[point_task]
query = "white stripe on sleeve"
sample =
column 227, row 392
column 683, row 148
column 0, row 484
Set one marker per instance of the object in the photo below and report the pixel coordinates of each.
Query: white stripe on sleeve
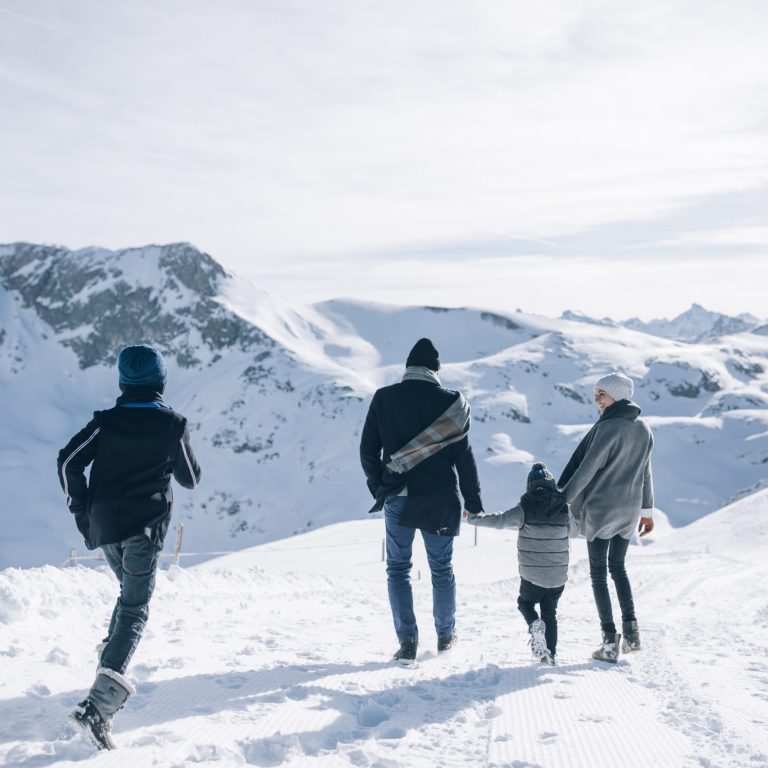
column 69, row 458
column 189, row 463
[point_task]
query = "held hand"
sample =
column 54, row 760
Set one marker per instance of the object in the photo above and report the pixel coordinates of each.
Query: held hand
column 645, row 526
column 466, row 513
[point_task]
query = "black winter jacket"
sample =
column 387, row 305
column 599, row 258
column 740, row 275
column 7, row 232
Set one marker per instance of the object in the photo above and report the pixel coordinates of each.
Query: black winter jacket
column 397, row 414
column 135, row 447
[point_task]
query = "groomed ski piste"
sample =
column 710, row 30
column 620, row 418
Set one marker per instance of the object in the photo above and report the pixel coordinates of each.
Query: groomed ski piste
column 279, row 656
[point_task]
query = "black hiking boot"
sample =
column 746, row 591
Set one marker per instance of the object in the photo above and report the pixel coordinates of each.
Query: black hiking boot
column 94, row 727
column 406, row 653
column 446, row 642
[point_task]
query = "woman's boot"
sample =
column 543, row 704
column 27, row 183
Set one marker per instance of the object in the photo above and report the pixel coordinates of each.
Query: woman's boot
column 609, row 648
column 631, row 640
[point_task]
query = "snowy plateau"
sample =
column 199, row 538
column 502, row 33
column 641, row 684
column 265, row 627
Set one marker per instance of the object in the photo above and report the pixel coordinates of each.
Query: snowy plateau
column 278, row 653
column 278, row 656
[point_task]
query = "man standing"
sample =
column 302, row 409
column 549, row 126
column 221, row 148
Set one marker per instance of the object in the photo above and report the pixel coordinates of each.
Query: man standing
column 414, row 443
column 125, row 508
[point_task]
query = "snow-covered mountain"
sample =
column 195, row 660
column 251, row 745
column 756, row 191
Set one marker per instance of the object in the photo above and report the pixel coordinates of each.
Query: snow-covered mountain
column 276, row 394
column 695, row 324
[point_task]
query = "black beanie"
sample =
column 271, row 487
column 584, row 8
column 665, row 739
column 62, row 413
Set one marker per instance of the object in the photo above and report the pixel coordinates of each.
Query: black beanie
column 424, row 354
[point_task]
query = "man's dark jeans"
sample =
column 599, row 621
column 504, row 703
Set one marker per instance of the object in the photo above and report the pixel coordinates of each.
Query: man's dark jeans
column 530, row 594
column 134, row 562
column 608, row 555
column 399, row 551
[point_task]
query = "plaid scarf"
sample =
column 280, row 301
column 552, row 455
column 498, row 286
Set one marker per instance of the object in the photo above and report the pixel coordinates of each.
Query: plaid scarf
column 448, row 428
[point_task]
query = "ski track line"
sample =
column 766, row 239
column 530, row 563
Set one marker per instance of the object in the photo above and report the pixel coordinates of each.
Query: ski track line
column 685, row 710
column 559, row 717
column 721, row 713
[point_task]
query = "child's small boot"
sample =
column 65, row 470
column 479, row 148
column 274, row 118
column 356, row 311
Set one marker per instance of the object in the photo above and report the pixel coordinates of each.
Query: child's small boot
column 609, row 648
column 631, row 641
column 538, row 640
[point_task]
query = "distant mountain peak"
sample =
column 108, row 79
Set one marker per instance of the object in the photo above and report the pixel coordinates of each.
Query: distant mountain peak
column 695, row 324
column 580, row 317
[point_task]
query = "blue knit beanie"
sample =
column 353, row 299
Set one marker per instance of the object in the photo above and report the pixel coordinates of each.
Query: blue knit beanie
column 539, row 475
column 141, row 366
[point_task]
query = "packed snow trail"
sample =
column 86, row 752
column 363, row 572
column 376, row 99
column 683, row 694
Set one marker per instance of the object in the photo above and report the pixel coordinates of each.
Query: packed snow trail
column 279, row 656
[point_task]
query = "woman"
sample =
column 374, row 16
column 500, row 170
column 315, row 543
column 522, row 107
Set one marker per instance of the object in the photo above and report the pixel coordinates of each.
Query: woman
column 608, row 484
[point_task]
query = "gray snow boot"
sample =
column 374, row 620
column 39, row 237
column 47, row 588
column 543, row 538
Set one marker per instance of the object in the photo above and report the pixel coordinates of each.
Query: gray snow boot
column 538, row 640
column 94, row 714
column 609, row 648
column 631, row 641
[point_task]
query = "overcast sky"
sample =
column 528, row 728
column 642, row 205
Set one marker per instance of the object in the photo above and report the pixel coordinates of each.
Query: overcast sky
column 609, row 157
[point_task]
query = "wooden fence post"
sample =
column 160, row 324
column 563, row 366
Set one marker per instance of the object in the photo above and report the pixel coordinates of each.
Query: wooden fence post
column 177, row 550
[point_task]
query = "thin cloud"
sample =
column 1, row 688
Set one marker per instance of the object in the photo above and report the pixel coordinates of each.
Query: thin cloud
column 406, row 132
column 29, row 20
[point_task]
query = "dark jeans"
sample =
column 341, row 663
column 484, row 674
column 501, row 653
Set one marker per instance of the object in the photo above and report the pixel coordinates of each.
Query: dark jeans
column 607, row 556
column 547, row 597
column 134, row 562
column 399, row 551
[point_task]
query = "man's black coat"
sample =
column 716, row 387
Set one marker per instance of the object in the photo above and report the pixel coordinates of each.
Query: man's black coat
column 397, row 414
column 135, row 448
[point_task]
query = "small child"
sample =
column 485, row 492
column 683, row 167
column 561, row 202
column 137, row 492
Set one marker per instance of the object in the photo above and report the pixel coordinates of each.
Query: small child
column 545, row 524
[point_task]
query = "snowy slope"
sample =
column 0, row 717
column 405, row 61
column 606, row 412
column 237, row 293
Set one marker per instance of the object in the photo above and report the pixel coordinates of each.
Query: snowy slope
column 276, row 394
column 277, row 656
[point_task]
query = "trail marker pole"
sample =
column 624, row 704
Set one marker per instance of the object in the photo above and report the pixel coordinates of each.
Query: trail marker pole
column 179, row 535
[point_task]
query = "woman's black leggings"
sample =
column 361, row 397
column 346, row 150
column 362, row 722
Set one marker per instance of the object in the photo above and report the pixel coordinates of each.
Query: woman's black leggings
column 607, row 556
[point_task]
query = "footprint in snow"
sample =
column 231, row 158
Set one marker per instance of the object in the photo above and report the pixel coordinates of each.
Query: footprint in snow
column 595, row 719
column 143, row 672
column 548, row 737
column 273, row 751
column 372, row 714
column 157, row 738
column 38, row 691
column 58, row 656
